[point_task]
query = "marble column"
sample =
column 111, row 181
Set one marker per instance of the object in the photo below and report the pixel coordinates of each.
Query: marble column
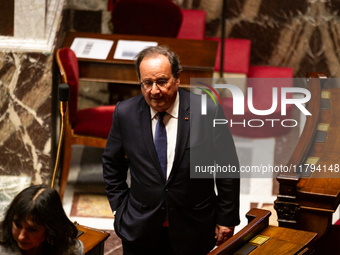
column 25, row 115
column 26, row 75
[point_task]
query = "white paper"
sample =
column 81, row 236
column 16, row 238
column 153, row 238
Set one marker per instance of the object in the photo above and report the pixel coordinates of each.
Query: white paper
column 91, row 48
column 129, row 49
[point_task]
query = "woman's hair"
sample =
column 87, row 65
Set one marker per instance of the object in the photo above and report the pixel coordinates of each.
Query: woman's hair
column 159, row 50
column 41, row 205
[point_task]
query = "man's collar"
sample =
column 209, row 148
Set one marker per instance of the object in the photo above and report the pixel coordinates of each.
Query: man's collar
column 173, row 110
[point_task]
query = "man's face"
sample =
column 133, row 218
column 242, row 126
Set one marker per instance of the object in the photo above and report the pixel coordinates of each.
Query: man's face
column 156, row 68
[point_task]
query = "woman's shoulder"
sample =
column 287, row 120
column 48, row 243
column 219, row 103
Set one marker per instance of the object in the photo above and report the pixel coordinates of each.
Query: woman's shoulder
column 77, row 248
column 8, row 251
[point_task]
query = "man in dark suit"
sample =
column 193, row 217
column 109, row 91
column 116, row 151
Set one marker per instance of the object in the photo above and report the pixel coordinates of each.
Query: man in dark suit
column 165, row 211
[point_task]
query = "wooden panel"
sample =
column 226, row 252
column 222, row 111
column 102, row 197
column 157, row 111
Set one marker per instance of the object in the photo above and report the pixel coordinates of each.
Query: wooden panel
column 92, row 239
column 308, row 200
column 283, row 241
column 7, row 17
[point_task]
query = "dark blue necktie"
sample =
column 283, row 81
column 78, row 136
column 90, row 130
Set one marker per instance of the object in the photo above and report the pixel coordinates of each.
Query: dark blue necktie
column 161, row 142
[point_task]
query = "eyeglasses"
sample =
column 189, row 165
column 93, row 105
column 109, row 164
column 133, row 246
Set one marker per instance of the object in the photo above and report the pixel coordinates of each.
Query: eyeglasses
column 147, row 85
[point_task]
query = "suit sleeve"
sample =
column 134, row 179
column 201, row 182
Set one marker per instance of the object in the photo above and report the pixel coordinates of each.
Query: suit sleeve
column 227, row 183
column 115, row 164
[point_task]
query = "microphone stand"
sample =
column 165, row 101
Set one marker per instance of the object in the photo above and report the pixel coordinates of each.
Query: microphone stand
column 224, row 10
column 221, row 80
column 63, row 91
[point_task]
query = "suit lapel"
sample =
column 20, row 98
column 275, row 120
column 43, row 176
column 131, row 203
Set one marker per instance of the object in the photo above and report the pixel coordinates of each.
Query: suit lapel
column 182, row 130
column 146, row 131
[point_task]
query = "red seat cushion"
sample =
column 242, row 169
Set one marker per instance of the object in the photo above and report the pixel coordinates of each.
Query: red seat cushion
column 236, row 55
column 94, row 121
column 193, row 25
column 262, row 100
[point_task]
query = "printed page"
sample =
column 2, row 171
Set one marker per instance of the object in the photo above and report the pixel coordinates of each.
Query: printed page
column 129, row 49
column 91, row 48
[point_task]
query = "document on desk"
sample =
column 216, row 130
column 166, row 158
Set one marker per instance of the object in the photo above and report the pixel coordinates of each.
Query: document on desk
column 127, row 49
column 91, row 48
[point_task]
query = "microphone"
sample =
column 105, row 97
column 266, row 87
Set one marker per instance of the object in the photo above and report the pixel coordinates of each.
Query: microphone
column 63, row 92
column 63, row 95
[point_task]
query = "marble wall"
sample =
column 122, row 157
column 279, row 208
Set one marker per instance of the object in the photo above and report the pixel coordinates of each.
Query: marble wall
column 25, row 115
column 10, row 186
column 303, row 35
column 26, row 92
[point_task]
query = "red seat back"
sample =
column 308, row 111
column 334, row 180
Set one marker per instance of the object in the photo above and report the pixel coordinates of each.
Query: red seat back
column 146, row 17
column 68, row 66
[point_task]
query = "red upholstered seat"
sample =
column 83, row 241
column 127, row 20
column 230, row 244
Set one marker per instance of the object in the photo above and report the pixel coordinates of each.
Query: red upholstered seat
column 193, row 25
column 110, row 5
column 270, row 72
column 88, row 127
column 85, row 124
column 236, row 55
column 262, row 100
column 146, row 17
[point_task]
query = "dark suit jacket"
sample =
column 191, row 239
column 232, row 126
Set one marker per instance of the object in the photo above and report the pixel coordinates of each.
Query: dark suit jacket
column 192, row 207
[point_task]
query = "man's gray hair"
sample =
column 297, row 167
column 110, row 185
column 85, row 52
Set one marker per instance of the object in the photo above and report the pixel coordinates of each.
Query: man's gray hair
column 159, row 50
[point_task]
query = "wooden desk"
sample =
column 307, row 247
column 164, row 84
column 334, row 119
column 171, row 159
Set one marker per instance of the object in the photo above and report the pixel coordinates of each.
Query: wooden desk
column 283, row 241
column 307, row 200
column 197, row 58
column 93, row 240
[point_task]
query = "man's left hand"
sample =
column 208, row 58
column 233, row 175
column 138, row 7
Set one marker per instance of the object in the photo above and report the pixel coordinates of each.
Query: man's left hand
column 222, row 234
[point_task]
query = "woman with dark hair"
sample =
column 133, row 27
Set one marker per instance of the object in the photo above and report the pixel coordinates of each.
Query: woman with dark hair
column 35, row 223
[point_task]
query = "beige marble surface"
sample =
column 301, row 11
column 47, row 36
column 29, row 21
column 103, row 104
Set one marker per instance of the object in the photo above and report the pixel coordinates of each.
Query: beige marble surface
column 29, row 19
column 35, row 26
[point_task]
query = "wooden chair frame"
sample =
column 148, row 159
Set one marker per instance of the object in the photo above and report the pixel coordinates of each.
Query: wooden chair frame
column 70, row 138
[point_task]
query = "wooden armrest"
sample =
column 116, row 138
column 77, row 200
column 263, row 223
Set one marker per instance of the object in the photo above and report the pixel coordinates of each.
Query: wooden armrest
column 91, row 237
column 258, row 220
